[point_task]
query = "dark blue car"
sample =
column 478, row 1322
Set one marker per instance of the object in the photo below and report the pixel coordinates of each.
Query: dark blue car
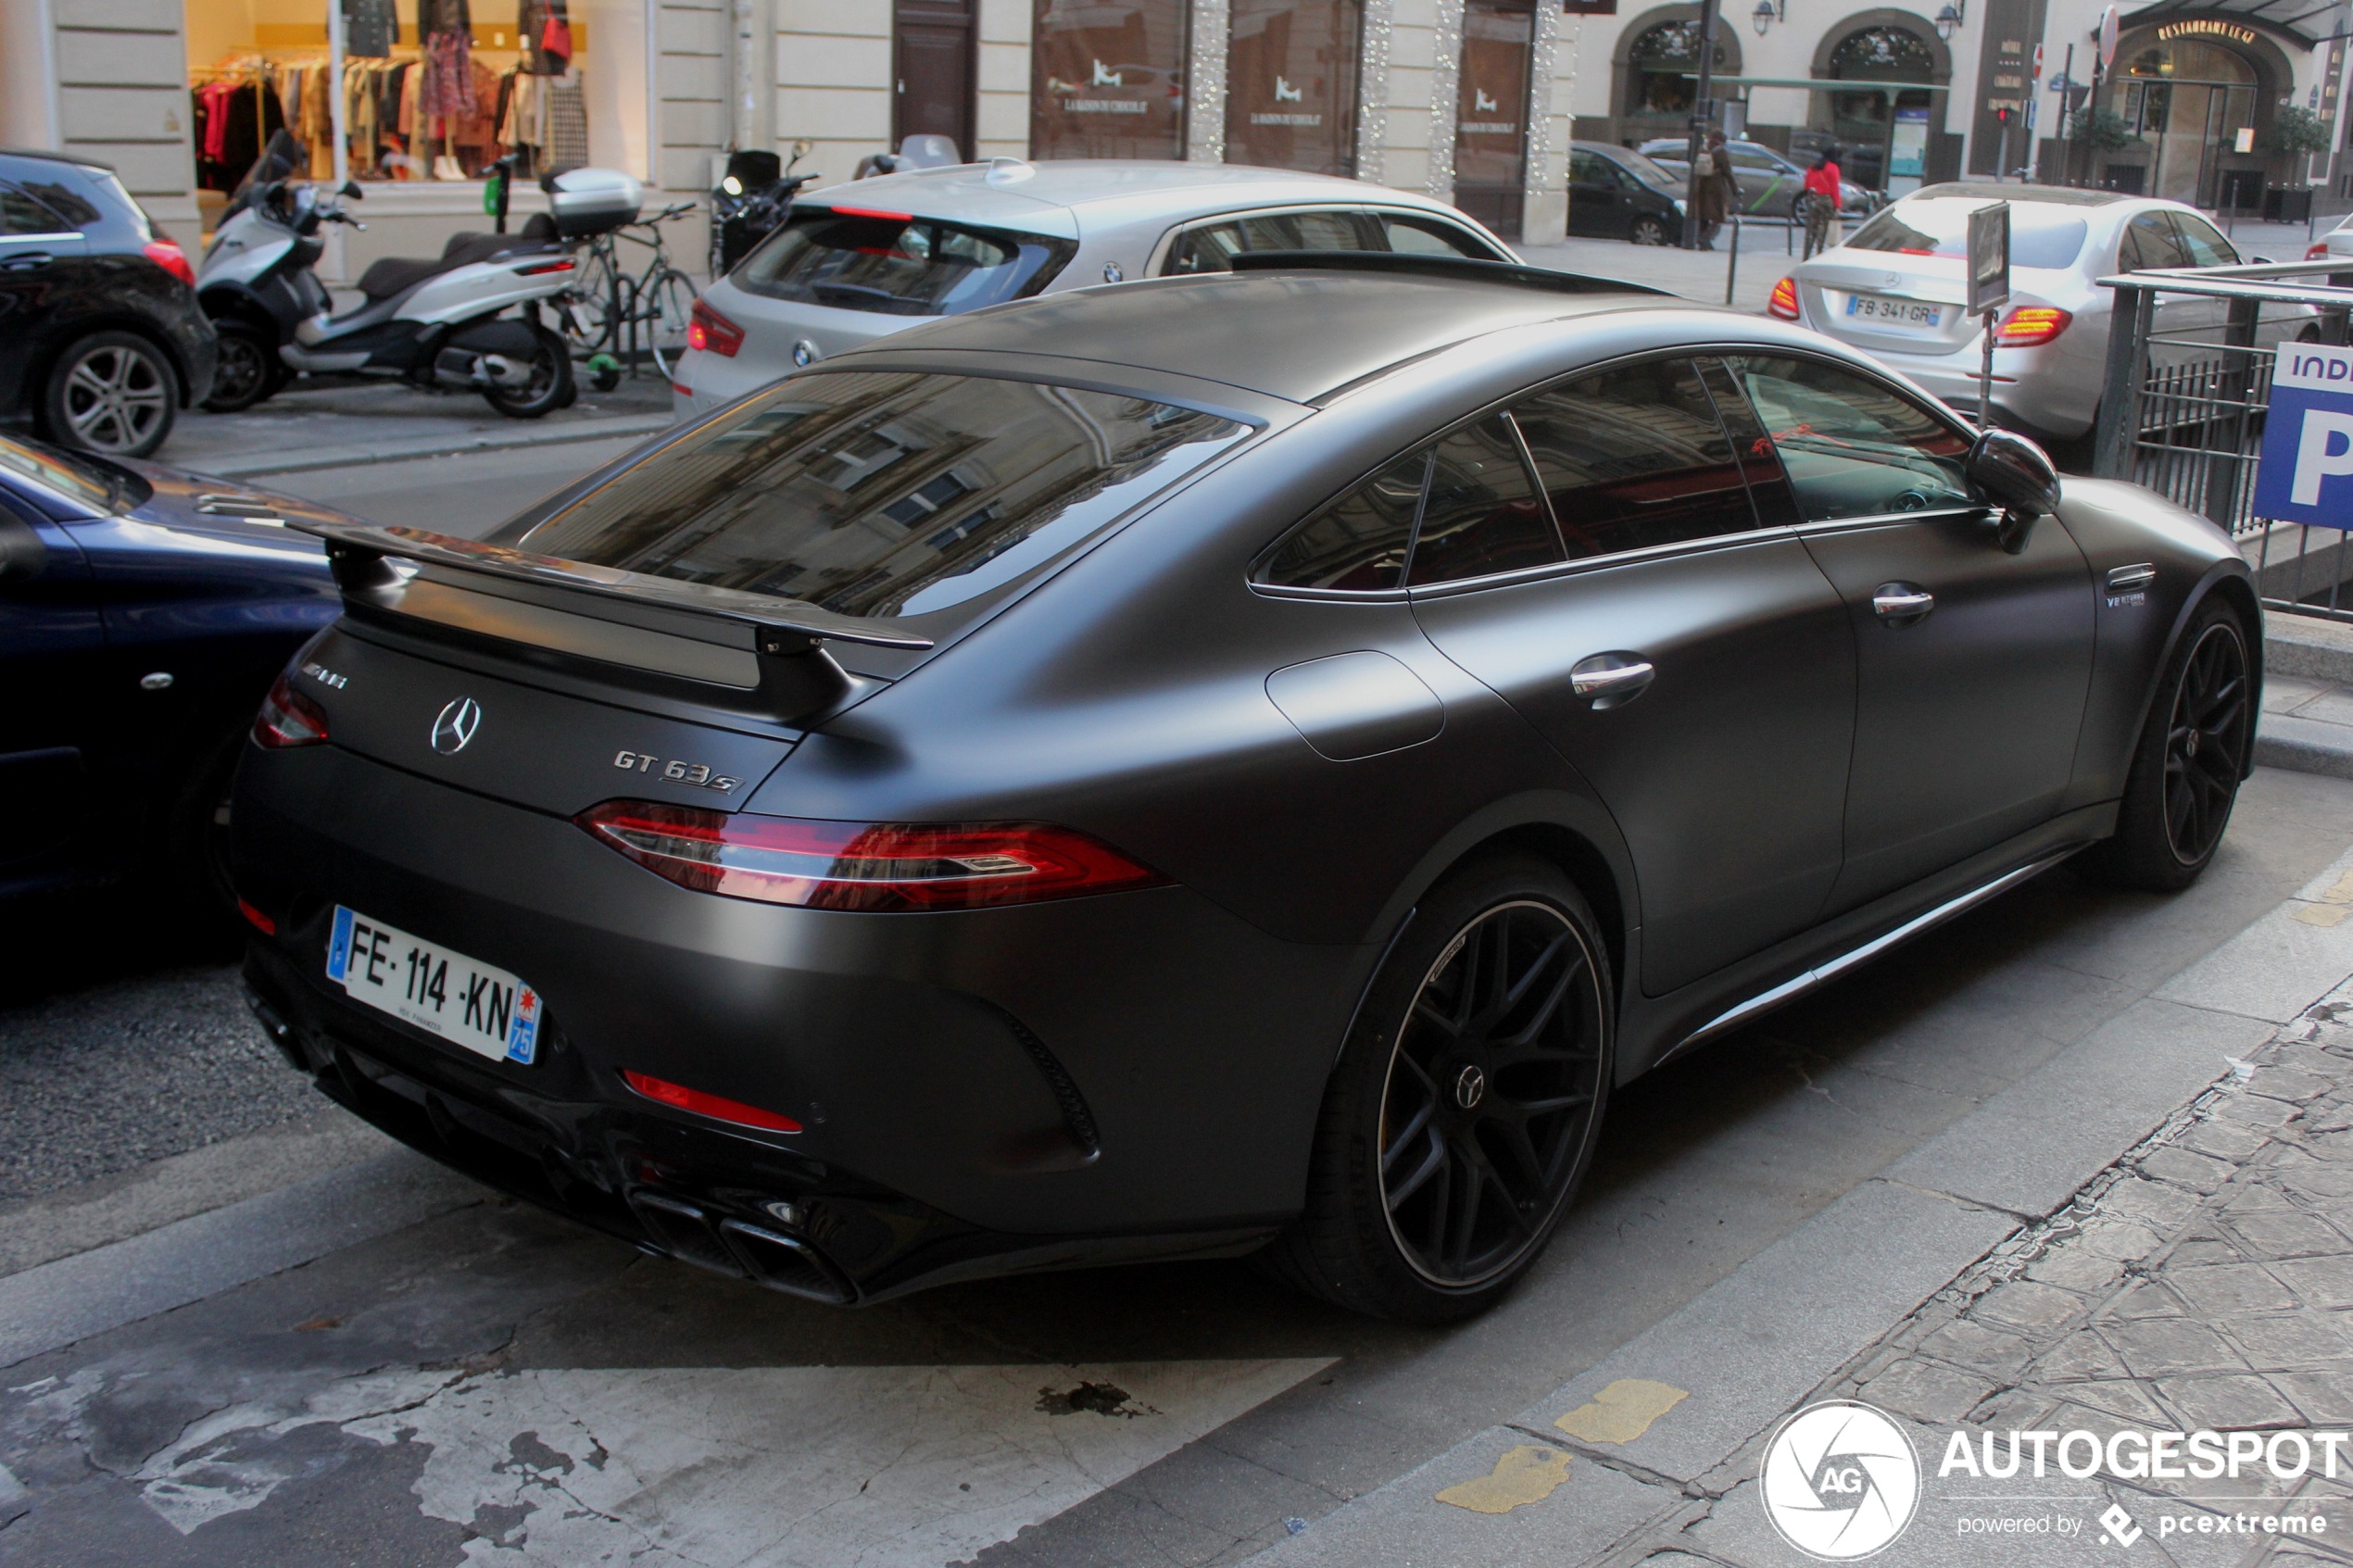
column 143, row 612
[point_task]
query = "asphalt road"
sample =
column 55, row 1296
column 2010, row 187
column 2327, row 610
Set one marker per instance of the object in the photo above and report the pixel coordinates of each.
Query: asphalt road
column 469, row 1381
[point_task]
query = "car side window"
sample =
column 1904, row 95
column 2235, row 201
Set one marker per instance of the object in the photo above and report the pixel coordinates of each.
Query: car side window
column 1768, row 489
column 1484, row 514
column 2149, row 240
column 1853, row 447
column 1585, row 168
column 1213, row 247
column 1635, row 457
column 2205, row 244
column 19, row 214
column 1357, row 543
column 1429, row 236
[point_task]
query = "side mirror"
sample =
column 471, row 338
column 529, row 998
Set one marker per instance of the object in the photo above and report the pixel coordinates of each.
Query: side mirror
column 22, row 555
column 351, row 188
column 2019, row 477
column 802, row 146
column 2261, row 261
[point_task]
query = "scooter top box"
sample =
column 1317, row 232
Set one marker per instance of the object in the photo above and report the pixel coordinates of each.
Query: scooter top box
column 592, row 201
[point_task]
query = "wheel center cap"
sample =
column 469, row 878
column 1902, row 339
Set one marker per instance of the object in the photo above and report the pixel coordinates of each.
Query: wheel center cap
column 1470, row 1086
column 2189, row 743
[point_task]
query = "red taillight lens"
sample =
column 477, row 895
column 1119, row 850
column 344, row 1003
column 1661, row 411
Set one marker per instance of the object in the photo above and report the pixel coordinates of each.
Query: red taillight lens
column 1784, row 301
column 168, row 255
column 256, row 920
column 562, row 264
column 716, row 1107
column 822, row 865
column 872, row 212
column 288, row 718
column 708, row 330
column 2317, row 252
column 2030, row 326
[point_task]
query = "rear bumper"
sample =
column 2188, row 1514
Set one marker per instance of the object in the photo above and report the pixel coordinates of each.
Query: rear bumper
column 1131, row 1076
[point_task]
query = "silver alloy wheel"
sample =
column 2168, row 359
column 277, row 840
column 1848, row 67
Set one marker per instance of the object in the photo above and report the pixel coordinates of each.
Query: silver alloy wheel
column 114, row 396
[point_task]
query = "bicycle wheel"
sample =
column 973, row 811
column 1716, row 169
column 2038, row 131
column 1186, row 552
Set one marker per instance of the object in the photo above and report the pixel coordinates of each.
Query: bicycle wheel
column 597, row 312
column 663, row 311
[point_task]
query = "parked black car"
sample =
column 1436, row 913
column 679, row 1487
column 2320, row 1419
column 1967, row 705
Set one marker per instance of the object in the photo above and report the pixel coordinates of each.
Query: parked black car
column 1617, row 193
column 102, row 341
column 143, row 613
column 1243, row 758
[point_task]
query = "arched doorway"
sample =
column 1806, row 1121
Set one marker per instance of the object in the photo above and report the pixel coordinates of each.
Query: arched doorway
column 1864, row 124
column 2189, row 102
column 1659, row 60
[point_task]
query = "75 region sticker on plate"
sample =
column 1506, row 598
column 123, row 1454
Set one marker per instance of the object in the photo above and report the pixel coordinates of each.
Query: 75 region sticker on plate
column 462, row 1001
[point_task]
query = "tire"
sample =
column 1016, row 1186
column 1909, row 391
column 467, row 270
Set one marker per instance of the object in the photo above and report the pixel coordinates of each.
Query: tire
column 551, row 386
column 666, row 309
column 196, row 835
column 247, row 370
column 1649, row 232
column 1431, row 1084
column 111, row 393
column 600, row 300
column 2188, row 761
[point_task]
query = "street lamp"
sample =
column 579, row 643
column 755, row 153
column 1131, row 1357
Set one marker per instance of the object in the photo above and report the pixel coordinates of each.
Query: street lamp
column 1948, row 21
column 1766, row 15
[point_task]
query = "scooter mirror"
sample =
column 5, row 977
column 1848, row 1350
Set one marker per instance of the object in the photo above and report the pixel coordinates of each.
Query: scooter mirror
column 351, row 188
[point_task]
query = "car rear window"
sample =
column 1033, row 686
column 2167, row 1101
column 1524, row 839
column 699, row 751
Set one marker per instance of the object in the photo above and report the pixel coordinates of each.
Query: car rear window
column 1644, row 169
column 900, row 266
column 2040, row 236
column 882, row 493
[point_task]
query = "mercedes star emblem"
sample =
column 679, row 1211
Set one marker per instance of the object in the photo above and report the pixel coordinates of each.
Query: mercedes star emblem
column 456, row 725
column 1469, row 1086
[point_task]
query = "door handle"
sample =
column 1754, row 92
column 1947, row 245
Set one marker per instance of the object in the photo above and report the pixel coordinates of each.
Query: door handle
column 1902, row 604
column 32, row 263
column 1609, row 680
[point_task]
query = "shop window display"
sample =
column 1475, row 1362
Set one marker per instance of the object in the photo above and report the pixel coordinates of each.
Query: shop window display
column 1291, row 84
column 429, row 89
column 1108, row 80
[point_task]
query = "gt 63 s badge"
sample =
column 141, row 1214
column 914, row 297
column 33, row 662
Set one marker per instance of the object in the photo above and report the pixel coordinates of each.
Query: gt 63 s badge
column 696, row 773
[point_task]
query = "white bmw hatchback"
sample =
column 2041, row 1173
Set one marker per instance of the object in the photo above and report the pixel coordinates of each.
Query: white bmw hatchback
column 1897, row 290
column 856, row 261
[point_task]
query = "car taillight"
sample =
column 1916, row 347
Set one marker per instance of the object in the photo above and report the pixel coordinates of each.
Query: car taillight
column 287, row 719
column 717, row 1107
column 1784, row 301
column 869, row 866
column 168, row 255
column 2030, row 326
column 708, row 330
column 2319, row 251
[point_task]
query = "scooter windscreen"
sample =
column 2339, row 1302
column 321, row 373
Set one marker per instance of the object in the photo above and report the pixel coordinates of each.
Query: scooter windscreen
column 280, row 157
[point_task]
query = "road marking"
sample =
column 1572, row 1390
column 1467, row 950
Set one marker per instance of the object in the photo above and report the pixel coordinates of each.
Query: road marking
column 1622, row 1411
column 1525, row 1474
column 812, row 1467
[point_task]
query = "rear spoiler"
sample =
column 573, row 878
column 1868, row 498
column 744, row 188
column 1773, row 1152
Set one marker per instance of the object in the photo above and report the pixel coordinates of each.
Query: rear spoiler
column 796, row 677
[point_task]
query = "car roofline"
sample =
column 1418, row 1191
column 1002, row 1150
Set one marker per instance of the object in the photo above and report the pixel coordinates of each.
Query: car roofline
column 1461, row 269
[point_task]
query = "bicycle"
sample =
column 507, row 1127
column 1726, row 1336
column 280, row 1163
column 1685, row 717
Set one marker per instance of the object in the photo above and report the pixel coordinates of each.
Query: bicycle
column 649, row 312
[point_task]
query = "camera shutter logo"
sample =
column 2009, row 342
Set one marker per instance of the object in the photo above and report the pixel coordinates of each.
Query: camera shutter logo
column 1841, row 1481
column 456, row 725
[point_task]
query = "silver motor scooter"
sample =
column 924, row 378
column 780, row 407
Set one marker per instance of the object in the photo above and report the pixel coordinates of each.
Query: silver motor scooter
column 442, row 322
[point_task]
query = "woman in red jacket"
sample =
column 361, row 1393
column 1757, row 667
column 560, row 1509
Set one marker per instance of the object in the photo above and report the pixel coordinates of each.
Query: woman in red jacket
column 1822, row 184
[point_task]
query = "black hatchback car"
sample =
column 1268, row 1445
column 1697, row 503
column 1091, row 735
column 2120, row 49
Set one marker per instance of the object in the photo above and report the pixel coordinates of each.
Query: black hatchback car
column 1165, row 770
column 1617, row 193
column 102, row 341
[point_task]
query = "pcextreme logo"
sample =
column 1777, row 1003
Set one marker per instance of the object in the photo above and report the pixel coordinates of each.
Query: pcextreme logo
column 1841, row 1481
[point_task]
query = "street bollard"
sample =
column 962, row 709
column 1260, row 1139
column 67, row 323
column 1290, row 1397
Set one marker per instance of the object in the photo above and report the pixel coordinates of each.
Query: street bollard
column 1732, row 267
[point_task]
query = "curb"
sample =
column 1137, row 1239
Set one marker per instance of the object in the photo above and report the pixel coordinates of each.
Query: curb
column 2308, row 646
column 261, row 463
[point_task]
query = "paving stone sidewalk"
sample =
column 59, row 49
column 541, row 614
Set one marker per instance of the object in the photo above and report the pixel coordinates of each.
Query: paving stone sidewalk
column 2203, row 1281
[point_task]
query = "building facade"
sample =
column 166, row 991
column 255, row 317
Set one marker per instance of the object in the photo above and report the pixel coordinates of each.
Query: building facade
column 1471, row 101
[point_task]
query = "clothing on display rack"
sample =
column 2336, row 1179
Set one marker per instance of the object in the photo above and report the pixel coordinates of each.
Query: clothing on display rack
column 369, row 28
column 546, row 36
column 567, row 146
column 234, row 112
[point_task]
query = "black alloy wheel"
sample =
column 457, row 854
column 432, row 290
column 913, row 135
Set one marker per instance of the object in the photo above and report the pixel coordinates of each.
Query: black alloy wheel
column 550, row 387
column 1650, row 232
column 1466, row 1102
column 2188, row 762
column 1492, row 1092
column 2206, row 743
column 247, row 372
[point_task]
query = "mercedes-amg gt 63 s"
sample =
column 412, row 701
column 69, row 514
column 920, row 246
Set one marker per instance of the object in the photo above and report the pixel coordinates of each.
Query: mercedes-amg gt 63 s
column 1229, row 762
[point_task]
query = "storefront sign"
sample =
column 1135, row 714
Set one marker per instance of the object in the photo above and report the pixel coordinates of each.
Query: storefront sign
column 2307, row 470
column 2205, row 27
column 1291, row 84
column 1107, row 80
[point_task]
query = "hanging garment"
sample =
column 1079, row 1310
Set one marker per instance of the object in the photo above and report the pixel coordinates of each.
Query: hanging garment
column 448, row 90
column 567, row 144
column 369, row 28
column 543, row 21
column 444, row 16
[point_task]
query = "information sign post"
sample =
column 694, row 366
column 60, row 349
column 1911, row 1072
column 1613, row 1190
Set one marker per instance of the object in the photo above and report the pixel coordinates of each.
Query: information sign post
column 2307, row 470
column 1989, row 289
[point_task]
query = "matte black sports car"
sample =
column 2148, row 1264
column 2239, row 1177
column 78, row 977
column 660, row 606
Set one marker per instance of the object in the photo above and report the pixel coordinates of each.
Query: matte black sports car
column 1224, row 760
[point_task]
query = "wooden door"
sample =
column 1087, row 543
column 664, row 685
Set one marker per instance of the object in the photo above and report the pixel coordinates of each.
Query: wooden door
column 932, row 62
column 1491, row 122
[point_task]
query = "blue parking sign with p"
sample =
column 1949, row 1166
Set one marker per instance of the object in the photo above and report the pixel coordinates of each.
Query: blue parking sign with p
column 2307, row 471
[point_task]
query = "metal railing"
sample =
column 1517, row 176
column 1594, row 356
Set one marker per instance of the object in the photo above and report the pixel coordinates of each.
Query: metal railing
column 2191, row 349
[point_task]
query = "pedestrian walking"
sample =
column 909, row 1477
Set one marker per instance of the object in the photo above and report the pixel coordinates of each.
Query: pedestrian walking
column 1822, row 183
column 1717, row 192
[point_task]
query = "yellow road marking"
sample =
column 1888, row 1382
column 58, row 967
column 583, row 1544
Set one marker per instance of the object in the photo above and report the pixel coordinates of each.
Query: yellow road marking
column 1525, row 1474
column 1622, row 1411
column 2323, row 914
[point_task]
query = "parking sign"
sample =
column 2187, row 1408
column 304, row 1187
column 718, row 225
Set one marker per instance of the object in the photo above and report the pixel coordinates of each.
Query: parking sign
column 2307, row 471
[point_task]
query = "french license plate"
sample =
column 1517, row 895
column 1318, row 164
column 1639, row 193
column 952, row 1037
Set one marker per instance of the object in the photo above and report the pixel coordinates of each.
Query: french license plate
column 1895, row 312
column 466, row 1002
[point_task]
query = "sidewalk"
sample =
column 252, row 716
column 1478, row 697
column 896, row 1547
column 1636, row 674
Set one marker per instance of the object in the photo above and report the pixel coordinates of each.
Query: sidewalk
column 2153, row 1232
column 343, row 425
